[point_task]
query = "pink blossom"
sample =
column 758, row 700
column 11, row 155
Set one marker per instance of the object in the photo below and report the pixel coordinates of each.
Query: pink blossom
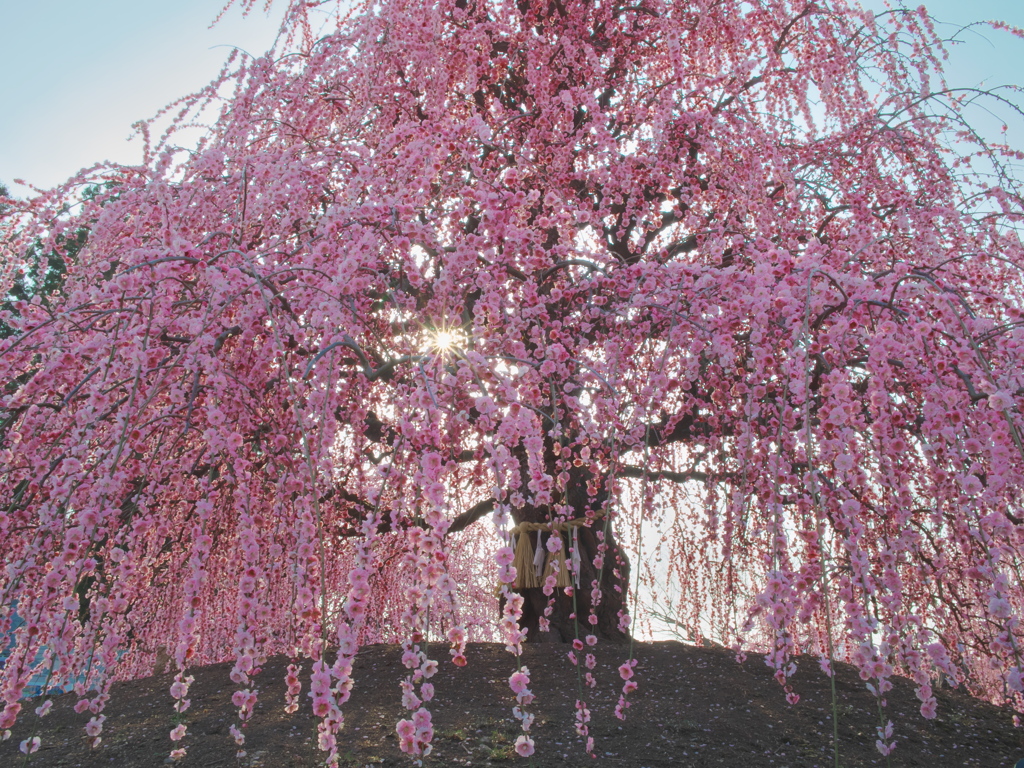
column 1000, row 608
column 431, row 463
column 1015, row 679
column 457, row 635
column 971, row 484
column 884, row 748
column 434, row 493
column 95, row 725
column 519, row 681
column 1000, row 400
column 421, row 719
column 620, row 708
column 844, row 462
column 929, row 709
column 406, row 729
column 524, row 745
column 326, row 741
column 179, row 689
column 410, row 659
column 321, row 705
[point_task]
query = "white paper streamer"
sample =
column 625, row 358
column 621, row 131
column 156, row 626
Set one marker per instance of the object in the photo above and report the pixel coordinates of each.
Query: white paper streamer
column 538, row 557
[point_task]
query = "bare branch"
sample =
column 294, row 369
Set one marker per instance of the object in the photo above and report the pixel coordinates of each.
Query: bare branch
column 471, row 515
column 664, row 474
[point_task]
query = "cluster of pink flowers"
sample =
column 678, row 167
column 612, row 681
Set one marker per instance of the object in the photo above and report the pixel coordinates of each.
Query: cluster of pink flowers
column 519, row 682
column 432, row 586
column 884, row 742
column 457, row 637
column 331, row 686
column 248, row 633
column 326, row 708
column 293, row 688
column 777, row 606
column 416, row 733
column 179, row 692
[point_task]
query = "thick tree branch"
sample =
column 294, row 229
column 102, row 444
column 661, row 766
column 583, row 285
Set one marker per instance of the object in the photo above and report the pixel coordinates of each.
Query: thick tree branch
column 664, row 474
column 471, row 515
column 689, row 427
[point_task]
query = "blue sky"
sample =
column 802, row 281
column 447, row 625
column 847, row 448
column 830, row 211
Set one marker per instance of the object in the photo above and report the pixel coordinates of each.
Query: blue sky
column 80, row 72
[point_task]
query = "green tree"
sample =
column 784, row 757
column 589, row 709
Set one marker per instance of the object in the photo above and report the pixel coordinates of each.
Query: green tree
column 44, row 270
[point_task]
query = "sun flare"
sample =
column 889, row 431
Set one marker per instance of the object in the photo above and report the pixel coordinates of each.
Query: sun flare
column 446, row 340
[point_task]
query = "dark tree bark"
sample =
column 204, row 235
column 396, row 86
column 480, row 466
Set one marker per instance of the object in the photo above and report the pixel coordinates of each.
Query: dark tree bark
column 568, row 619
column 569, row 614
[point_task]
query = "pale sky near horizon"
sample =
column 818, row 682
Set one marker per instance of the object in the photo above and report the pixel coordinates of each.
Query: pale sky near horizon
column 79, row 74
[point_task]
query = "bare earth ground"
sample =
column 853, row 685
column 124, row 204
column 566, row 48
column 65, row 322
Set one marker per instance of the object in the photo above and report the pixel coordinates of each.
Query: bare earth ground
column 695, row 707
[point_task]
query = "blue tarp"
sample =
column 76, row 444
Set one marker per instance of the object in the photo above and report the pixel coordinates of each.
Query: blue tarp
column 38, row 679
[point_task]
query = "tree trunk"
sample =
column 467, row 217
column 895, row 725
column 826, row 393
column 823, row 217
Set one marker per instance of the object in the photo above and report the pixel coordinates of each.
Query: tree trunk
column 569, row 616
column 568, row 619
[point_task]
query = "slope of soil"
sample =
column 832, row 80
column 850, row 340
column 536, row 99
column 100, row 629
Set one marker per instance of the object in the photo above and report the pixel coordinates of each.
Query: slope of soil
column 695, row 707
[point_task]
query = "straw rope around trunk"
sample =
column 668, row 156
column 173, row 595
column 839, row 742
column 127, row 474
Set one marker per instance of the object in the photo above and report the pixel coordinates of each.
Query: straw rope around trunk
column 556, row 565
column 528, row 573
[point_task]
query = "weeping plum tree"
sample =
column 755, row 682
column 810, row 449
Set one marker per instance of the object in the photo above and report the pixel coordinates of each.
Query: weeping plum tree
column 735, row 273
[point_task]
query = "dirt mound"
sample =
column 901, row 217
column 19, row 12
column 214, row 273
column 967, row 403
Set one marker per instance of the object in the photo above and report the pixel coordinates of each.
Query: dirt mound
column 695, row 707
